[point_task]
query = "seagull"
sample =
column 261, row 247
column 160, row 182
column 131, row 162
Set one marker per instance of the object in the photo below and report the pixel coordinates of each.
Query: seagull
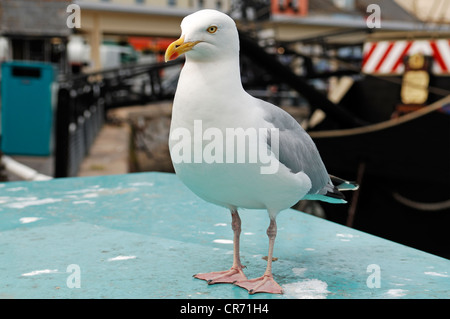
column 234, row 150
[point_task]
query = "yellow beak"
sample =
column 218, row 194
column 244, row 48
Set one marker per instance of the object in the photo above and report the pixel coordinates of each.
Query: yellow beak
column 177, row 48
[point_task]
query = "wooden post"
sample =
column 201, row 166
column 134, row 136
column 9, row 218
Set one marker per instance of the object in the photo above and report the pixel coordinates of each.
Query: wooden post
column 355, row 196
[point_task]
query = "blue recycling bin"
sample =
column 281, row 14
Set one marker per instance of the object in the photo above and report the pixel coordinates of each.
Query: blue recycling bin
column 28, row 100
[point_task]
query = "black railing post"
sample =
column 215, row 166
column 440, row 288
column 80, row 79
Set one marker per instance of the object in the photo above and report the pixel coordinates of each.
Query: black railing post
column 83, row 101
column 62, row 132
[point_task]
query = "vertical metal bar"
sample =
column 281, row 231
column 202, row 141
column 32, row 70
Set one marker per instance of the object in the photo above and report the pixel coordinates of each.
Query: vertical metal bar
column 355, row 197
column 62, row 132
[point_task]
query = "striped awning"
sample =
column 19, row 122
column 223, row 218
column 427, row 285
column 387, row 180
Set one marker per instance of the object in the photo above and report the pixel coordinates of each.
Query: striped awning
column 386, row 57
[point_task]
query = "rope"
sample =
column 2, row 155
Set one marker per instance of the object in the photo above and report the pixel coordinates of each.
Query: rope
column 421, row 206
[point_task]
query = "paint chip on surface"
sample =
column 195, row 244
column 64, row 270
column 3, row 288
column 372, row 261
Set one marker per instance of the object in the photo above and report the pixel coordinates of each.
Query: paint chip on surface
column 220, row 224
column 299, row 271
column 437, row 274
column 206, row 232
column 223, row 241
column 90, row 195
column 83, row 202
column 40, row 272
column 346, row 237
column 23, row 204
column 16, row 189
column 121, row 258
column 26, row 220
column 396, row 293
column 142, row 184
column 307, row 289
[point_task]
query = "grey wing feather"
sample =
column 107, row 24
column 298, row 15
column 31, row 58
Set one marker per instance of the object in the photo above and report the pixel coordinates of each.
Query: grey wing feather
column 297, row 150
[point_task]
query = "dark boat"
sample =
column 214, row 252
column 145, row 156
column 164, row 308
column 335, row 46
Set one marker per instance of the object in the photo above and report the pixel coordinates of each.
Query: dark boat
column 403, row 166
column 398, row 152
column 415, row 147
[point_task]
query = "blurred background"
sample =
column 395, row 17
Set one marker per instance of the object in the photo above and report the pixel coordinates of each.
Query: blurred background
column 84, row 91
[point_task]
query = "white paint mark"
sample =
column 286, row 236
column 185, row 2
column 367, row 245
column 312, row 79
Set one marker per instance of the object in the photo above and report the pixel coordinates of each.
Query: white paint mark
column 346, row 235
column 23, row 204
column 249, row 233
column 401, row 278
column 81, row 191
column 121, row 258
column 310, row 249
column 142, row 184
column 16, row 189
column 206, row 232
column 437, row 274
column 26, row 220
column 39, row 272
column 220, row 224
column 17, row 199
column 222, row 241
column 299, row 271
column 307, row 289
column 396, row 292
column 78, row 202
column 90, row 195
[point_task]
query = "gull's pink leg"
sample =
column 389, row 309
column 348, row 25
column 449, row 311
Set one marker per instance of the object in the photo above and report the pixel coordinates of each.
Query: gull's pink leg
column 235, row 273
column 265, row 283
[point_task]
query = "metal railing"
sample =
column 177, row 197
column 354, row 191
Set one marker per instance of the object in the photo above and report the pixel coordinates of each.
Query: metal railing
column 84, row 99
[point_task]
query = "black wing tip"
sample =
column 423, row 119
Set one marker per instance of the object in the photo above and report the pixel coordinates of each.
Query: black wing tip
column 342, row 184
column 335, row 194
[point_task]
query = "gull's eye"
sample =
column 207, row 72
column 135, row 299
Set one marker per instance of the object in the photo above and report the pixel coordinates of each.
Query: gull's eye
column 212, row 29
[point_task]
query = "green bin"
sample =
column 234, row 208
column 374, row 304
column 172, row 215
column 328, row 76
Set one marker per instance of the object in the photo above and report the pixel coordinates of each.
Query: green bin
column 28, row 97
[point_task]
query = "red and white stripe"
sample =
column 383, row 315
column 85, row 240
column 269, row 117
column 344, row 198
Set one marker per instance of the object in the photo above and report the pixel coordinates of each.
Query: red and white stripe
column 386, row 57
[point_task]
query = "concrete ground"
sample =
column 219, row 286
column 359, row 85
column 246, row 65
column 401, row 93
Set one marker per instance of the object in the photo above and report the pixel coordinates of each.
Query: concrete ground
column 110, row 152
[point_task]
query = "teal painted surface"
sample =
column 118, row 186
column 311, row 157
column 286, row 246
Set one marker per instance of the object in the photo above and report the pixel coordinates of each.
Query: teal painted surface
column 144, row 236
column 27, row 107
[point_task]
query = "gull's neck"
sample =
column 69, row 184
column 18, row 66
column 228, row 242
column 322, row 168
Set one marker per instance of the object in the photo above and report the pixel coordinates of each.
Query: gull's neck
column 221, row 76
column 207, row 89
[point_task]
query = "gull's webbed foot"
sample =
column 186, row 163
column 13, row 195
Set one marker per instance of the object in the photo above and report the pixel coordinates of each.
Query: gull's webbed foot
column 265, row 283
column 223, row 277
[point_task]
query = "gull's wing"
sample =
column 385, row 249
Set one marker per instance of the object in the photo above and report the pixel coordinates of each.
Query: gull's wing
column 297, row 150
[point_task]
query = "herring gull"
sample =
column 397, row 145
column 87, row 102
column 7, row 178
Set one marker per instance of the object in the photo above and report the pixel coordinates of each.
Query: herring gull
column 234, row 150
